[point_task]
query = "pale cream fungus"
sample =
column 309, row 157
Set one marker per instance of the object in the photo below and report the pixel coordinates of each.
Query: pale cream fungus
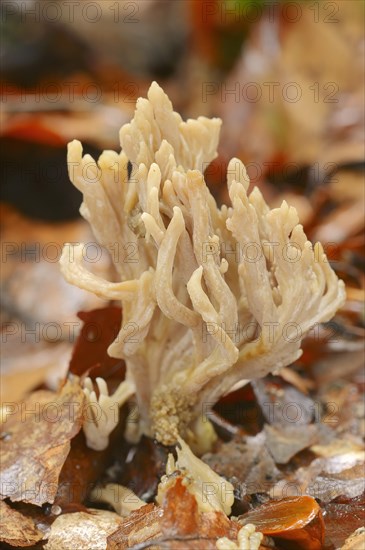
column 211, row 296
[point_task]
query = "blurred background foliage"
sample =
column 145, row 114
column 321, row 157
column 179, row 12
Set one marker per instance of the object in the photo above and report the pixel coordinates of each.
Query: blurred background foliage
column 285, row 77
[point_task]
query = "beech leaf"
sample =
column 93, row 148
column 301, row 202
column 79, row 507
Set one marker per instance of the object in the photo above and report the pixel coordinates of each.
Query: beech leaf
column 17, row 529
column 297, row 521
column 36, row 442
column 87, row 530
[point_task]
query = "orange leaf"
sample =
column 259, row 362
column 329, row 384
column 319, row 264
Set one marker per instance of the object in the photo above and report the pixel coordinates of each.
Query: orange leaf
column 296, row 521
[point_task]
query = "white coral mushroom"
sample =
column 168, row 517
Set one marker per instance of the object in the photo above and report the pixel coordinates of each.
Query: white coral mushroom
column 247, row 539
column 102, row 413
column 210, row 295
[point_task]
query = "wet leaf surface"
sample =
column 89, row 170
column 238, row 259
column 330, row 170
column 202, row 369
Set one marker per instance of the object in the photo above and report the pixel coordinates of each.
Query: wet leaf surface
column 296, row 522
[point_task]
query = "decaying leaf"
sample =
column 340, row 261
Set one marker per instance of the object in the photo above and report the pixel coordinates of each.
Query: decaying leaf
column 176, row 524
column 282, row 404
column 36, row 442
column 326, row 478
column 342, row 519
column 100, row 328
column 285, row 442
column 341, row 475
column 183, row 517
column 17, row 529
column 141, row 526
column 102, row 376
column 87, row 530
column 82, row 468
column 143, row 472
column 247, row 463
column 297, row 521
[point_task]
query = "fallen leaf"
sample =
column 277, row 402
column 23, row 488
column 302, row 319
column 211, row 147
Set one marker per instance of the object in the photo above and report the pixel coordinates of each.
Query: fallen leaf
column 286, row 441
column 36, row 442
column 84, row 467
column 178, row 519
column 17, row 529
column 326, row 478
column 341, row 520
column 341, row 475
column 282, row 404
column 144, row 470
column 141, row 526
column 90, row 355
column 337, row 447
column 87, row 530
column 246, row 463
column 45, row 361
column 178, row 523
column 296, row 522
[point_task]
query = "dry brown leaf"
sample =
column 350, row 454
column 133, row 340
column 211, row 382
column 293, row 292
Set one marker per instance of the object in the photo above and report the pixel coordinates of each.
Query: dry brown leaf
column 140, row 526
column 45, row 361
column 83, row 530
column 17, row 529
column 36, row 442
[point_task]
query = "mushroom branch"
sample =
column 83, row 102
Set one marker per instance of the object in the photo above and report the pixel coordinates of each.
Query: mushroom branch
column 211, row 295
